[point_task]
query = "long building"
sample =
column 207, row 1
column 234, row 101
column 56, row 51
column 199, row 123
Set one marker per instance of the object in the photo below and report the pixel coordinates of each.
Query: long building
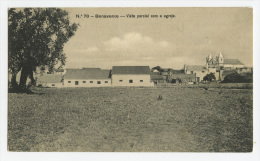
column 96, row 77
column 87, row 77
column 131, row 76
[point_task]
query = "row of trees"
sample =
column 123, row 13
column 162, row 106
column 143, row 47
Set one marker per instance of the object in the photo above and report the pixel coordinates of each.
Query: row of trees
column 36, row 37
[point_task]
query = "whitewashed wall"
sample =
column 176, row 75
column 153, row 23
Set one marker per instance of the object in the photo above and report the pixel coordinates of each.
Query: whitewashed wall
column 56, row 85
column 87, row 84
column 135, row 77
column 233, row 66
column 199, row 74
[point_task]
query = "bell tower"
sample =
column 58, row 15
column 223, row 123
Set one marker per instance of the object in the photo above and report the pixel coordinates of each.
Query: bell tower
column 220, row 59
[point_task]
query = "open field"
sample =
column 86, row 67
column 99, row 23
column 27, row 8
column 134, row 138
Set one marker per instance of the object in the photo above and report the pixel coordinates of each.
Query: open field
column 131, row 119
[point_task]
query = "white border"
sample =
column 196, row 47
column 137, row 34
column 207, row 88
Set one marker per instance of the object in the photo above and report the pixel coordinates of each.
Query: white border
column 13, row 156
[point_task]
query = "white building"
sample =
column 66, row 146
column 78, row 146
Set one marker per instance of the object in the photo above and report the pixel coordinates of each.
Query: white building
column 131, row 76
column 200, row 71
column 87, row 77
column 49, row 80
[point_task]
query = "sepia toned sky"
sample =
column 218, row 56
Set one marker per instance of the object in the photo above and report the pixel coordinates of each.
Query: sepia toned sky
column 187, row 38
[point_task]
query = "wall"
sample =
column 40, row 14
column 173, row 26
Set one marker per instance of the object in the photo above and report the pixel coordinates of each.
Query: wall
column 198, row 73
column 57, row 85
column 201, row 75
column 135, row 77
column 87, row 84
column 233, row 66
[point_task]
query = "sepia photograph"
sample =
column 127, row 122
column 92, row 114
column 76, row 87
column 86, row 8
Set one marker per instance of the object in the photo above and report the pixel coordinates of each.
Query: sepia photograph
column 130, row 79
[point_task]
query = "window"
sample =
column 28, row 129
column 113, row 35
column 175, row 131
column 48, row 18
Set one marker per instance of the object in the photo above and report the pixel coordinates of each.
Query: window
column 53, row 85
column 191, row 72
column 98, row 82
column 120, row 80
column 39, row 85
column 130, row 81
column 106, row 81
column 141, row 81
column 203, row 71
column 90, row 81
column 76, row 82
column 84, row 81
column 69, row 81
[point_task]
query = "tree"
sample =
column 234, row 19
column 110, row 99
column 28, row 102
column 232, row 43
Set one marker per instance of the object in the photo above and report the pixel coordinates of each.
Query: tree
column 209, row 77
column 36, row 37
column 160, row 70
column 237, row 78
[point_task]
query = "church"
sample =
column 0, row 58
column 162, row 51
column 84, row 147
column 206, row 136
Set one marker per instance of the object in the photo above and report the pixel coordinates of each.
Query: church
column 215, row 65
column 221, row 63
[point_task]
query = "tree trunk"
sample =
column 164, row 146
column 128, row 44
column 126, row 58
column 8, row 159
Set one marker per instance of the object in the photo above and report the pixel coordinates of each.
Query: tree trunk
column 33, row 82
column 24, row 75
column 13, row 81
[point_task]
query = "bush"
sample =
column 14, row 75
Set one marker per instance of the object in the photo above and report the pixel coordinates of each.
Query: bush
column 237, row 78
column 209, row 77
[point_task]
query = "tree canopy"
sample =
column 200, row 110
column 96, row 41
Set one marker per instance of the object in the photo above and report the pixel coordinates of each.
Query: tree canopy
column 158, row 68
column 36, row 37
column 238, row 78
column 209, row 77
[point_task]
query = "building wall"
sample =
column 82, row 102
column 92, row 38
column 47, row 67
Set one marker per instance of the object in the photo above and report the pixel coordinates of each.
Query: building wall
column 87, row 83
column 233, row 66
column 155, row 81
column 199, row 74
column 246, row 69
column 123, row 80
column 52, row 85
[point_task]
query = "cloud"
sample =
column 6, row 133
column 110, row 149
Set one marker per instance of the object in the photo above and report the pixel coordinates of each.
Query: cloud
column 133, row 42
column 129, row 49
column 92, row 49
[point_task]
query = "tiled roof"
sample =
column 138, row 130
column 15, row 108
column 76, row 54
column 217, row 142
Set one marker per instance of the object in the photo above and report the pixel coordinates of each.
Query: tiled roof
column 59, row 70
column 87, row 73
column 131, row 70
column 176, row 71
column 49, row 78
column 227, row 72
column 156, row 76
column 195, row 67
column 183, row 76
column 232, row 62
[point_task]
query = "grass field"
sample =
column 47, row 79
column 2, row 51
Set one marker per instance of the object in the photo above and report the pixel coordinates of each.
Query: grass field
column 131, row 119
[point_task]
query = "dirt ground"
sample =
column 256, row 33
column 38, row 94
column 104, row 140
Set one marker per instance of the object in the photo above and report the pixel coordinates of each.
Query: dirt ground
column 131, row 120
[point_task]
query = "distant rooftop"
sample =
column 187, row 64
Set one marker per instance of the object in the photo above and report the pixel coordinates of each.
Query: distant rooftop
column 59, row 70
column 156, row 76
column 183, row 76
column 227, row 72
column 49, row 78
column 195, row 67
column 233, row 62
column 176, row 71
column 131, row 70
column 87, row 73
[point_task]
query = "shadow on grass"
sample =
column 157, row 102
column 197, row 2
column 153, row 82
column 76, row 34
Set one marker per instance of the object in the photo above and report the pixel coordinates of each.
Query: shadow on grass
column 24, row 91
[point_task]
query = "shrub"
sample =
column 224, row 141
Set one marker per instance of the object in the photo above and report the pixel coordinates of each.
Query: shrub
column 237, row 78
column 209, row 77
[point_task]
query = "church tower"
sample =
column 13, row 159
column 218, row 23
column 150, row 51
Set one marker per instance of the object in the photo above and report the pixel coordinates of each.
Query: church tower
column 208, row 59
column 220, row 59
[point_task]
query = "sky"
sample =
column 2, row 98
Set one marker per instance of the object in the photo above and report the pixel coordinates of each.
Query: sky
column 187, row 38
